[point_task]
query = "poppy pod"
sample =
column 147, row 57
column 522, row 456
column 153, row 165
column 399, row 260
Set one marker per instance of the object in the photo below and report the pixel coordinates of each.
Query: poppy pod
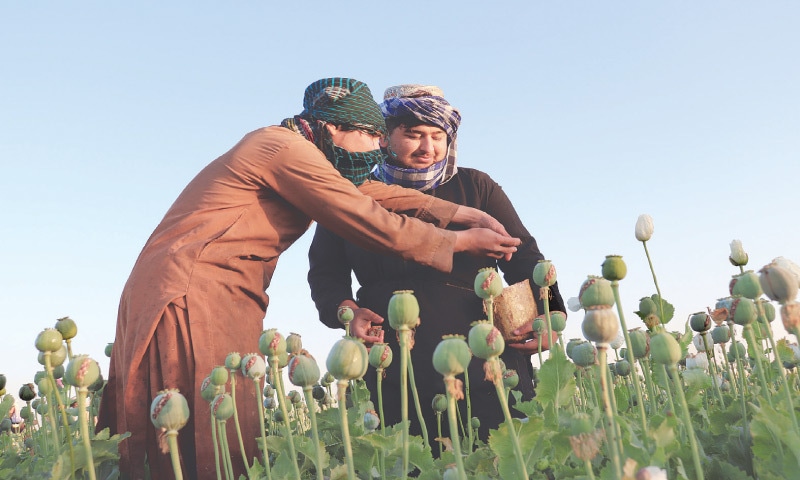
column 253, row 366
column 510, row 378
column 233, row 361
column 664, row 349
column 371, row 421
column 596, row 291
column 743, row 311
column 439, row 403
column 222, row 407
column 640, row 343
column 347, row 359
column 571, row 344
column 600, row 325
column 219, row 375
column 109, row 348
column 488, row 283
column 721, row 334
column 380, row 355
column 558, row 321
column 700, row 322
column 294, row 343
column 169, row 410
column 746, row 285
column 451, row 356
column 49, row 340
column 345, row 315
column 768, row 311
column 622, row 368
column 736, row 349
column 485, row 340
column 779, row 283
column 56, row 358
column 303, row 370
column 271, row 343
column 67, row 327
column 82, row 371
column 403, row 310
column 584, row 354
column 614, row 268
column 544, row 273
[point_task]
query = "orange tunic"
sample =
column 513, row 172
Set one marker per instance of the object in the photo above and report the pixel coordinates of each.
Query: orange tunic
column 197, row 290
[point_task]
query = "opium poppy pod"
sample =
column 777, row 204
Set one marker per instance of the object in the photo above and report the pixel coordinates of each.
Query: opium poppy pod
column 109, row 348
column 622, row 368
column 510, row 378
column 768, row 310
column 743, row 311
column 558, row 320
column 485, row 340
column 571, row 344
column 56, row 358
column 67, row 327
column 665, row 349
column 736, row 349
column 2, row 381
column 380, row 355
column 347, row 359
column 439, row 403
column 700, row 322
column 746, row 285
column 584, row 354
column 403, row 310
column 233, row 361
column 640, row 343
column 303, row 369
column 614, row 268
column 488, row 283
column 544, row 273
column 779, row 283
column 169, row 410
column 600, row 324
column 294, row 343
column 721, row 334
column 596, row 291
column 82, row 371
column 271, row 343
column 219, row 376
column 222, row 406
column 451, row 356
column 49, row 340
column 253, row 366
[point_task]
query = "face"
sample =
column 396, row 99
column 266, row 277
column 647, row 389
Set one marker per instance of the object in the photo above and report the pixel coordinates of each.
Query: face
column 417, row 147
column 355, row 141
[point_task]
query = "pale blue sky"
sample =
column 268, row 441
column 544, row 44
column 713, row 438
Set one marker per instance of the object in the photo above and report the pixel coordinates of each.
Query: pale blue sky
column 587, row 113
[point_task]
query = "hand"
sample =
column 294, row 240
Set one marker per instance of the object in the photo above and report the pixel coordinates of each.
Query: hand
column 531, row 346
column 363, row 320
column 474, row 218
column 485, row 242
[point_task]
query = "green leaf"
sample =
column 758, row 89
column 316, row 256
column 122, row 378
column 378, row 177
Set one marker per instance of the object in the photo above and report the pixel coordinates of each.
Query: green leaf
column 556, row 384
column 669, row 310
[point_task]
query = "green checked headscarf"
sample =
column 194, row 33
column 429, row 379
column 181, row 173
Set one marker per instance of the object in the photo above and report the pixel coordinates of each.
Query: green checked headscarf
column 348, row 103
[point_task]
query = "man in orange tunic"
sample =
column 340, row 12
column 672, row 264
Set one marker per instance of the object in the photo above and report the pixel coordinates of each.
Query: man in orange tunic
column 198, row 289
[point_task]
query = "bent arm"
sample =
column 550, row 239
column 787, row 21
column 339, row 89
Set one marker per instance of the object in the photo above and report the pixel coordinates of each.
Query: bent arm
column 329, row 275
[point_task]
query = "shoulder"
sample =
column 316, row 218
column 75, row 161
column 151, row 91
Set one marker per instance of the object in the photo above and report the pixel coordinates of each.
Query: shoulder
column 475, row 176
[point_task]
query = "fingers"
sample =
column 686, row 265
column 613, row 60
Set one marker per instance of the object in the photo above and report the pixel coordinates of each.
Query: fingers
column 524, row 329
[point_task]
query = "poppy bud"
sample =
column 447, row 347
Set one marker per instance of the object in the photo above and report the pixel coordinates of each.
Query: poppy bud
column 380, row 355
column 67, row 327
column 485, row 340
column 451, row 356
column 347, row 359
column 439, row 403
column 169, row 410
column 596, row 291
column 644, row 227
column 738, row 256
column 303, row 369
column 614, row 268
column 544, row 273
column 665, row 349
column 403, row 310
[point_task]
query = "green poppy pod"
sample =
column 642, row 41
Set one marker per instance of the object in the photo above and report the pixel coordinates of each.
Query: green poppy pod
column 768, row 310
column 544, row 273
column 67, row 327
column 596, row 291
column 109, row 348
column 510, row 378
column 380, row 355
column 485, row 340
column 475, row 422
column 58, row 371
column 584, row 354
column 253, row 366
column 2, row 381
column 581, row 423
column 746, row 284
column 488, row 283
column 614, row 268
column 345, row 314
column 622, row 368
column 169, row 410
column 451, row 356
column 270, row 403
column 49, row 340
column 371, row 421
column 25, row 413
column 539, row 324
column 778, row 283
column 571, row 344
column 303, row 369
column 271, row 343
column 347, row 359
column 721, row 334
column 640, row 343
column 81, row 371
column 45, row 387
column 5, row 425
column 208, row 390
column 403, row 310
column 294, row 343
column 743, row 311
column 56, row 358
column 219, row 375
column 97, row 385
column 558, row 320
column 736, row 349
column 647, row 307
column 664, row 349
column 600, row 325
column 327, row 379
column 233, row 361
column 700, row 322
column 42, row 408
column 222, row 407
column 39, row 375
column 295, row 397
column 269, row 390
column 439, row 403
